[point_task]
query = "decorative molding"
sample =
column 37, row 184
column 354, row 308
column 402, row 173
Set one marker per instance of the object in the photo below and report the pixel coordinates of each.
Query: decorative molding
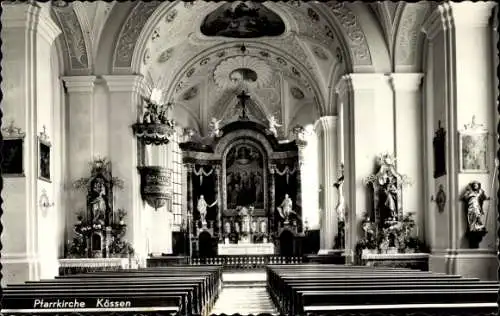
column 347, row 19
column 12, row 132
column 79, row 84
column 125, row 83
column 438, row 21
column 408, row 33
column 44, row 202
column 74, row 38
column 406, row 81
column 130, row 32
column 364, row 81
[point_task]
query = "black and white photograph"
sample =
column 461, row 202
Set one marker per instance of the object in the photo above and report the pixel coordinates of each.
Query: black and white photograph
column 295, row 158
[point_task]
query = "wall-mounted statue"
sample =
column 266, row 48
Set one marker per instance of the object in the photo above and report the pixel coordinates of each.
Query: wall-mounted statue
column 214, row 128
column 475, row 196
column 202, row 208
column 273, row 124
column 286, row 209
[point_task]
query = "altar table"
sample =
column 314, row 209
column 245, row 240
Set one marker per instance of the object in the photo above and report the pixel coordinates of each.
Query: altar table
column 245, row 249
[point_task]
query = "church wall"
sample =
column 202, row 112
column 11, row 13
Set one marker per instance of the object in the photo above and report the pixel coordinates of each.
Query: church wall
column 15, row 250
column 30, row 239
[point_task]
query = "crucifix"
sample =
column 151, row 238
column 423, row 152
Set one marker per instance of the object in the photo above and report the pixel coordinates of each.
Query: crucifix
column 243, row 99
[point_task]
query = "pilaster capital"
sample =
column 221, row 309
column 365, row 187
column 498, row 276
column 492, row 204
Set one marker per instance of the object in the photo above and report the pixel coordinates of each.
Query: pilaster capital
column 364, row 81
column 125, row 83
column 327, row 123
column 471, row 14
column 406, row 81
column 79, row 84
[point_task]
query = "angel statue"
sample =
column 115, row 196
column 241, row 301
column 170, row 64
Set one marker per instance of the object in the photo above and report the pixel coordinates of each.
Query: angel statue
column 272, row 125
column 475, row 196
column 285, row 209
column 202, row 208
column 214, row 128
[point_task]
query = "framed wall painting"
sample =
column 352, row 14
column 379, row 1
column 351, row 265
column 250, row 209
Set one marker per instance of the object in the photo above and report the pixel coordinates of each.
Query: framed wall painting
column 473, row 146
column 439, row 146
column 12, row 151
column 44, row 147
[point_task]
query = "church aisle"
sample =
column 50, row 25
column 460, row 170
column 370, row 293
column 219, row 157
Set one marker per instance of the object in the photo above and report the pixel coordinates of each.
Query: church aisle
column 245, row 301
column 244, row 293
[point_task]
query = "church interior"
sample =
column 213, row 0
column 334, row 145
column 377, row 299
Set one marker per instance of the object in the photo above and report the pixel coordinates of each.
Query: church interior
column 186, row 149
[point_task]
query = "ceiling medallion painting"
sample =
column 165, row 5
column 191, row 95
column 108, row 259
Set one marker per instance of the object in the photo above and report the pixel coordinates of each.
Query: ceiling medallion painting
column 320, row 53
column 243, row 20
column 166, row 55
column 242, row 70
column 190, row 94
column 297, row 93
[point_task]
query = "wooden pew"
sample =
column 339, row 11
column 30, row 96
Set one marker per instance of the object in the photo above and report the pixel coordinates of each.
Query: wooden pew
column 327, row 288
column 186, row 291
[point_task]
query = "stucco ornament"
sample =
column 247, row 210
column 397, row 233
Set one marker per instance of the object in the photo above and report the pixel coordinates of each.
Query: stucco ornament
column 408, row 33
column 131, row 31
column 73, row 36
column 357, row 40
column 234, row 71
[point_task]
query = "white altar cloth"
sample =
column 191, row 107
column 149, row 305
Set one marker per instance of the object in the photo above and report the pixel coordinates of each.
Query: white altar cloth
column 245, row 249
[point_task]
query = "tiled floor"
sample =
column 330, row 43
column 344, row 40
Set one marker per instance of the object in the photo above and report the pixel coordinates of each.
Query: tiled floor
column 244, row 293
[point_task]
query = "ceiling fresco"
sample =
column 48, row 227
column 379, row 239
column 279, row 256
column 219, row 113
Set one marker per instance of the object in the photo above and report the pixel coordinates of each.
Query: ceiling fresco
column 242, row 20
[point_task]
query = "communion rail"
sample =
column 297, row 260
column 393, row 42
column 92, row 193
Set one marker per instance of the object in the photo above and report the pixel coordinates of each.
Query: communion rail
column 245, row 262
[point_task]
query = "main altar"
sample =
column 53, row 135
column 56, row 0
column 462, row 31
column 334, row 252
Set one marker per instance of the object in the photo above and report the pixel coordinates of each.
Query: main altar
column 243, row 193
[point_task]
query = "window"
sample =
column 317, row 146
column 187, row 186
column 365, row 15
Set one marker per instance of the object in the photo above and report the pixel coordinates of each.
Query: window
column 175, row 163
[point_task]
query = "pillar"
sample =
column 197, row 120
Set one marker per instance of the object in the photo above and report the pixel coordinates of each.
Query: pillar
column 408, row 137
column 301, row 144
column 80, row 91
column 328, row 175
column 367, row 120
column 30, row 250
column 124, row 102
column 458, row 33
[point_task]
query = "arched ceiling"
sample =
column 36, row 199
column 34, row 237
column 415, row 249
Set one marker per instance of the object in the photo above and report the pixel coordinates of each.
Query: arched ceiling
column 322, row 40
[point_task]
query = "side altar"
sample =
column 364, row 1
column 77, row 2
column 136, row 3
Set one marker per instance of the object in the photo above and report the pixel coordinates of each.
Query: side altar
column 243, row 188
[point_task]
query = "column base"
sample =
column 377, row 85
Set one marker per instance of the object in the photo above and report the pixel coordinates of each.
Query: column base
column 469, row 263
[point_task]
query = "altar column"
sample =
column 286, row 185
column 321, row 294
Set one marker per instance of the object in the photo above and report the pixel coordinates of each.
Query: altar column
column 328, row 174
column 270, row 227
column 124, row 101
column 218, row 190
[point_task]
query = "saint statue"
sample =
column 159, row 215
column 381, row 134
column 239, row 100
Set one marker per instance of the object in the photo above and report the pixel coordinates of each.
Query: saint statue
column 98, row 202
column 391, row 199
column 272, row 126
column 285, row 209
column 202, row 208
column 341, row 204
column 475, row 196
column 214, row 129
